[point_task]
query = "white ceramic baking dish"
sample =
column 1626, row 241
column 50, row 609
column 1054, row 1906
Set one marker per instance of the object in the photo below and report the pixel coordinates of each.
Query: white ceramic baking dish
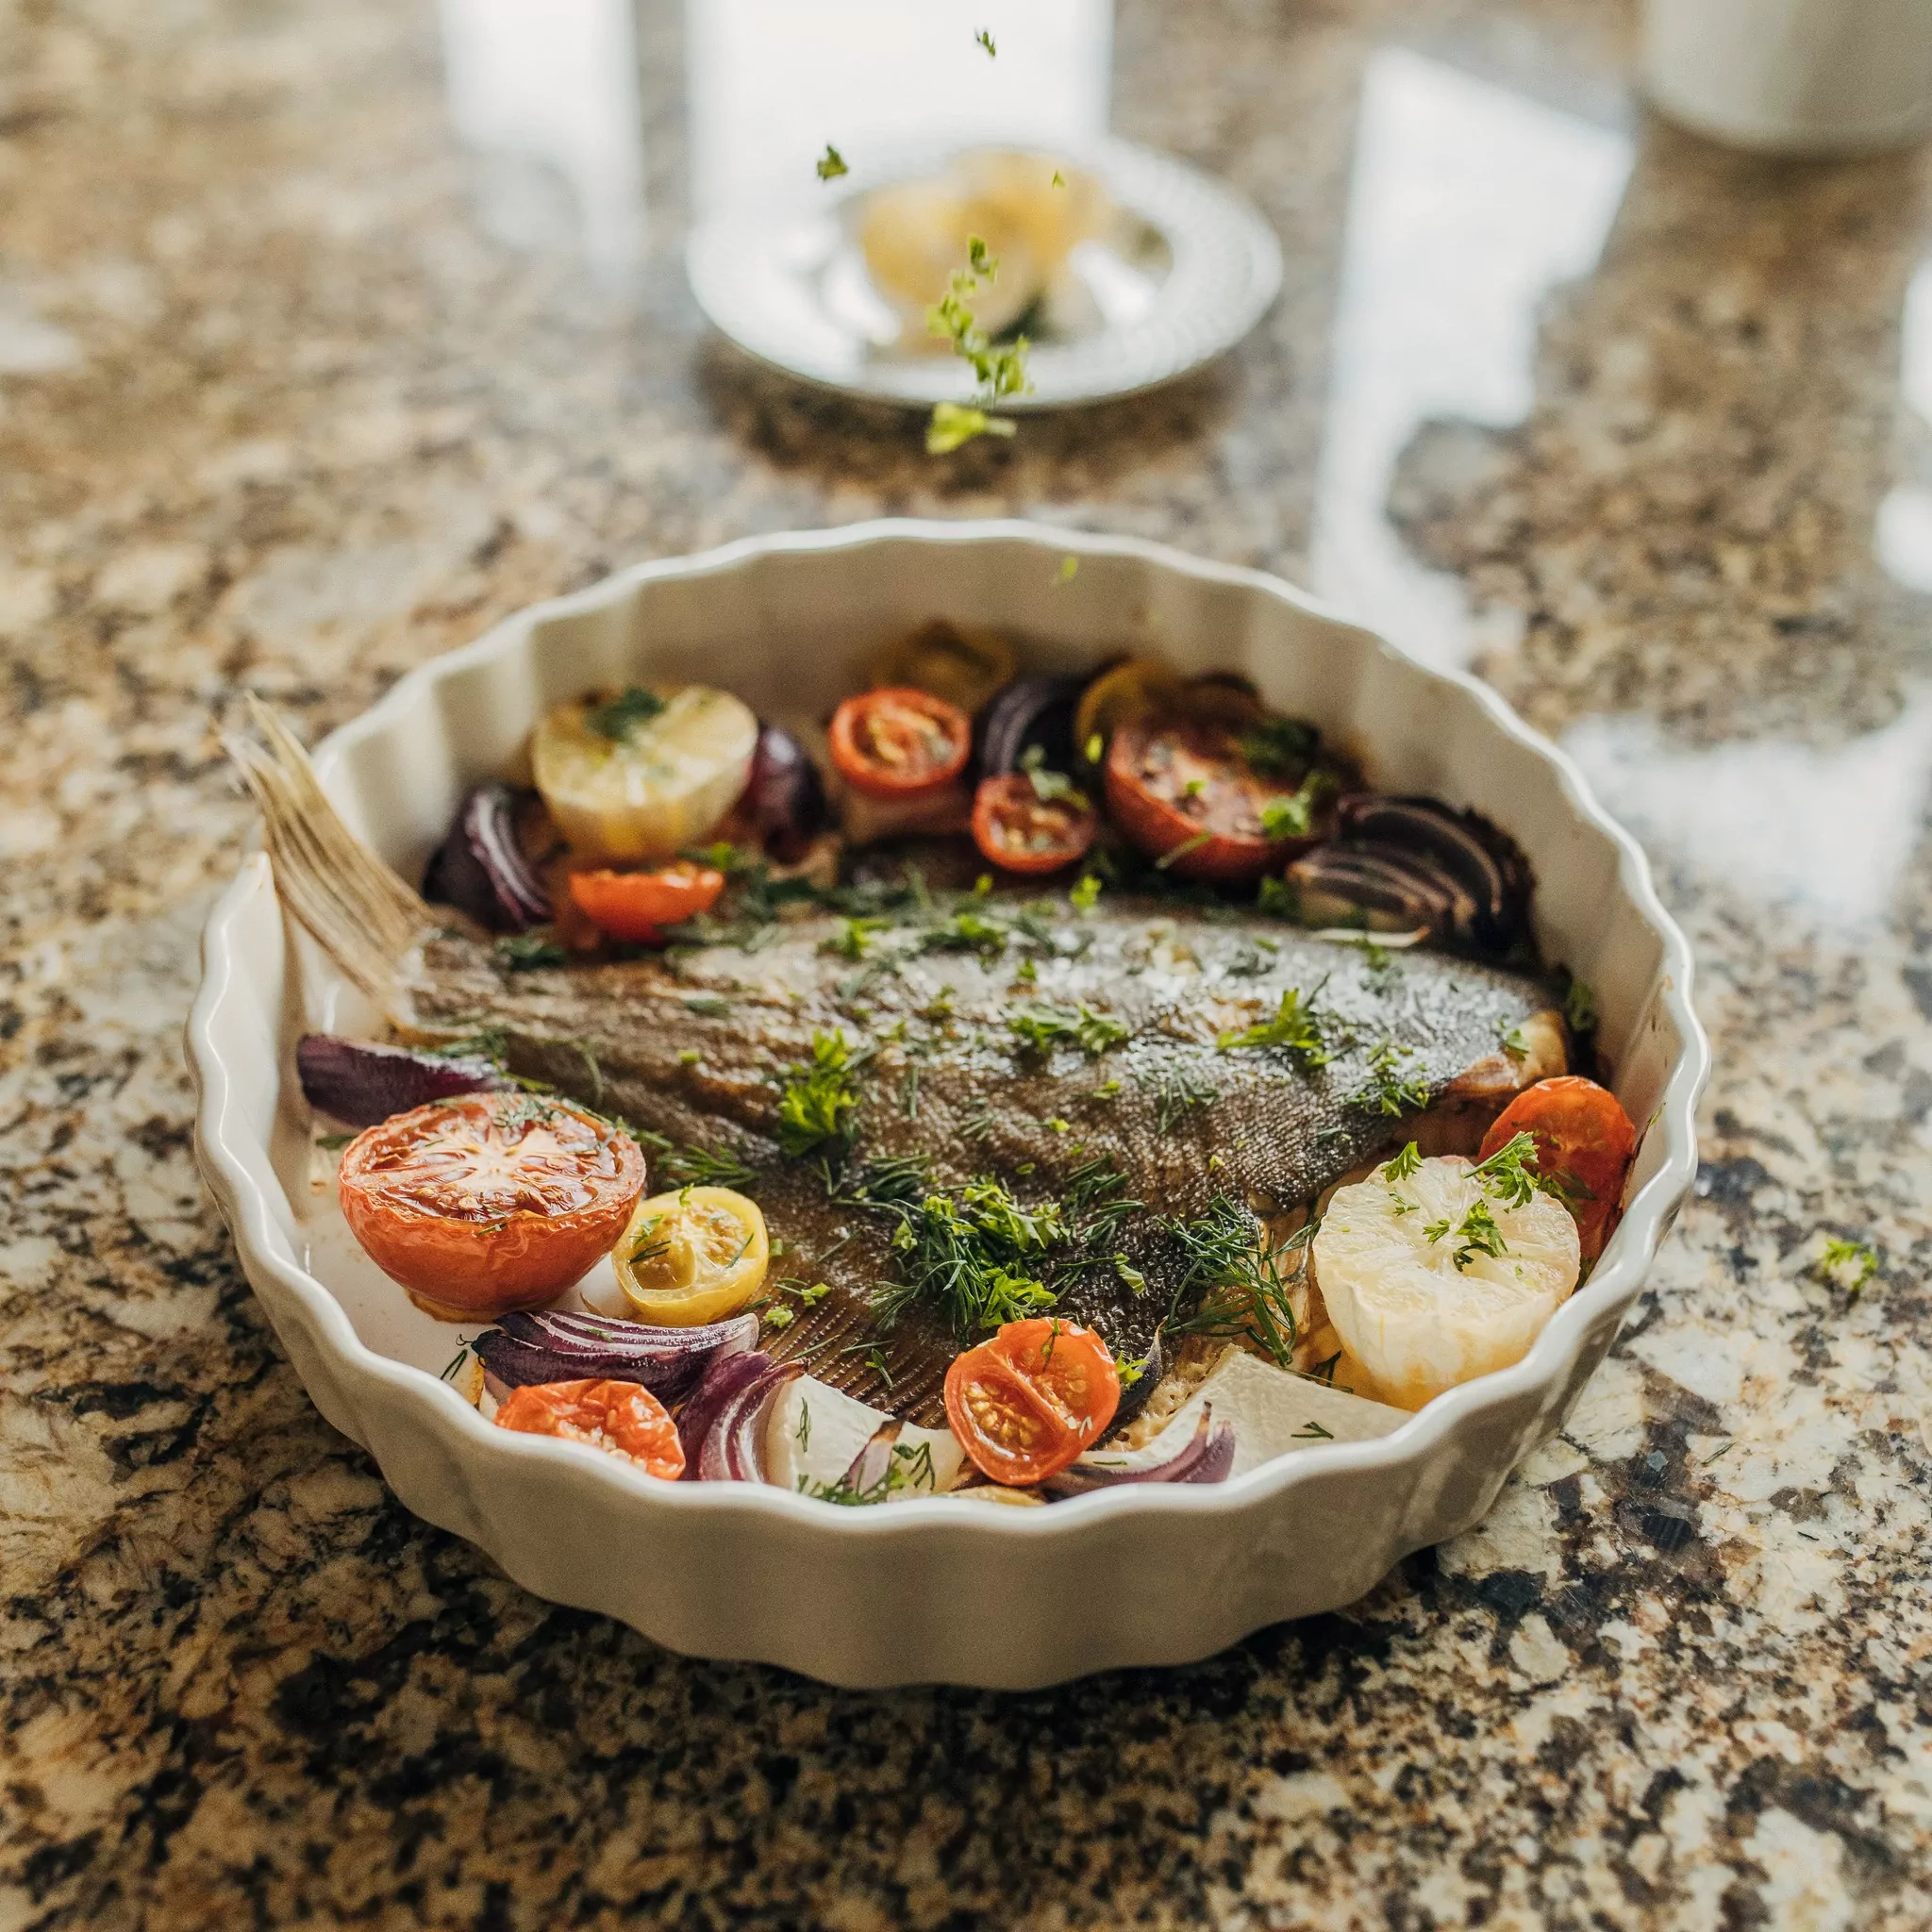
column 930, row 1589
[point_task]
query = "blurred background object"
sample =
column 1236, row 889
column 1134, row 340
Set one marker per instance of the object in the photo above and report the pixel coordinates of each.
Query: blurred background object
column 1794, row 77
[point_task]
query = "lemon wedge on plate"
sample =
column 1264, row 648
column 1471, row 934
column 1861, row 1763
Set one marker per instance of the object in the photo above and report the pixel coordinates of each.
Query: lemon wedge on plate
column 695, row 1256
column 643, row 772
column 1434, row 1276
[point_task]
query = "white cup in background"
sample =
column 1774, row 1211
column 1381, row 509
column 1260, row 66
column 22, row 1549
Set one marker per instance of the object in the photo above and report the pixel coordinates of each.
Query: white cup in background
column 1792, row 76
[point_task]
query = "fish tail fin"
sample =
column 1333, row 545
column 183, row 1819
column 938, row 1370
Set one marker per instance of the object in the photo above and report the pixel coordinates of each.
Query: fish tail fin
column 354, row 906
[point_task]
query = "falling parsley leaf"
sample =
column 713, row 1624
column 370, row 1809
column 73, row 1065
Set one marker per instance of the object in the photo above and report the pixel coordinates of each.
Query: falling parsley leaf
column 983, row 39
column 956, row 424
column 831, row 164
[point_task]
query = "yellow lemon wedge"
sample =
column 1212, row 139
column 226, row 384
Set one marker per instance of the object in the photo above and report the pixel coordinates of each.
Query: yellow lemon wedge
column 645, row 772
column 691, row 1257
column 1436, row 1278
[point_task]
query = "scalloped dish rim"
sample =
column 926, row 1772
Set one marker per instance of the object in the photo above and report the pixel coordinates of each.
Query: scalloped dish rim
column 240, row 1172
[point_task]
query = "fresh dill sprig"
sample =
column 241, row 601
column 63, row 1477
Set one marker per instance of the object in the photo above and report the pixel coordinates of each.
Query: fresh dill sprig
column 621, row 717
column 1297, row 1027
column 1041, row 1029
column 1175, row 1091
column 819, row 1104
column 1388, row 1089
column 1244, row 1285
column 699, row 1167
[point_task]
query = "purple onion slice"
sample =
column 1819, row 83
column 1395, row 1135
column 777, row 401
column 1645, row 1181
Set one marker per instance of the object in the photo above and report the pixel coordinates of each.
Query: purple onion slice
column 352, row 1081
column 1031, row 712
column 785, row 797
column 874, row 1463
column 535, row 1347
column 723, row 1377
column 732, row 1451
column 1206, row 1457
column 481, row 868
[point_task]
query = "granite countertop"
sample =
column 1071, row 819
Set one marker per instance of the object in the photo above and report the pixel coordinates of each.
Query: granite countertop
column 295, row 391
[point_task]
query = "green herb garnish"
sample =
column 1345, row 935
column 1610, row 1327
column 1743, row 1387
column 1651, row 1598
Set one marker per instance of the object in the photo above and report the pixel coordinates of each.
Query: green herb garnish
column 1478, row 1235
column 1404, row 1164
column 854, row 936
column 333, row 1143
column 1292, row 815
column 1514, row 1044
column 1246, row 1286
column 1176, row 1092
column 1277, row 747
column 966, row 931
column 819, row 1104
column 525, row 952
column 1086, row 895
column 1388, row 1089
column 1297, row 1027
column 700, row 1166
column 983, row 39
column 831, row 164
column 1042, row 1027
column 1860, row 1259
column 1579, row 1007
column 999, row 369
column 617, row 720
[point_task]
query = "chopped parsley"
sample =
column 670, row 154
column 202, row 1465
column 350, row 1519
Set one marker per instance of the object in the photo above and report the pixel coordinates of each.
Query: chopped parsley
column 524, row 951
column 1514, row 1044
column 1404, row 1164
column 1510, row 1172
column 1043, row 1028
column 1389, row 1089
column 966, row 931
column 1292, row 815
column 984, row 39
column 955, row 425
column 831, row 164
column 1848, row 1264
column 1070, row 567
column 999, row 369
column 909, row 1468
column 631, row 708
column 333, row 1143
column 1050, row 785
column 854, row 936
column 1579, row 1007
column 1478, row 1235
column 707, row 1006
column 780, row 1316
column 1297, row 1027
column 819, row 1105
column 1086, row 895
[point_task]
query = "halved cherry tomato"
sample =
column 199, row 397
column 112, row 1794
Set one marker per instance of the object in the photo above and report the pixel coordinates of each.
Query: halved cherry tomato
column 1027, row 1403
column 489, row 1203
column 621, row 1417
column 1584, row 1140
column 890, row 743
column 1020, row 832
column 1185, row 793
column 636, row 906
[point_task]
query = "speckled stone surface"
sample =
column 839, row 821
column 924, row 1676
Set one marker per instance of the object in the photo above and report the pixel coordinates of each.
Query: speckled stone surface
column 281, row 406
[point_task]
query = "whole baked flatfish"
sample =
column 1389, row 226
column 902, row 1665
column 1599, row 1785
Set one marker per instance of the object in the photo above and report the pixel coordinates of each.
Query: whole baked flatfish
column 1104, row 1073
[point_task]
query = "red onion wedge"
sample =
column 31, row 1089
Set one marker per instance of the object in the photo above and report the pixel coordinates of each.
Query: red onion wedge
column 725, row 1376
column 550, row 1347
column 733, row 1446
column 481, row 867
column 784, row 797
column 1206, row 1457
column 352, row 1081
column 1030, row 712
column 873, row 1465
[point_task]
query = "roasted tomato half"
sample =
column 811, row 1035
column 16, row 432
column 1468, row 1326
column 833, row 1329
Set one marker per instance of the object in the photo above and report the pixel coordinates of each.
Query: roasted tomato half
column 637, row 905
column 619, row 1416
column 1018, row 829
column 1027, row 1403
column 894, row 743
column 489, row 1203
column 1191, row 795
column 1585, row 1143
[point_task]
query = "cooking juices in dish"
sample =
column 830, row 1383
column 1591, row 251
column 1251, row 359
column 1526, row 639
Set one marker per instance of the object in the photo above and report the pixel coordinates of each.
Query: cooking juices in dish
column 1005, row 1087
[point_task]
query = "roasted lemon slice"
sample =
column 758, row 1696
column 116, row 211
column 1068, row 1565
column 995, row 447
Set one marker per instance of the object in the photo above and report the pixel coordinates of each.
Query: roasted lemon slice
column 1432, row 1274
column 692, row 1256
column 643, row 772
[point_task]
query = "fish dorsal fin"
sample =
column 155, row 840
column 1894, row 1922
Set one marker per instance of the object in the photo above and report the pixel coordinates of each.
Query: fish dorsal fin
column 354, row 906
